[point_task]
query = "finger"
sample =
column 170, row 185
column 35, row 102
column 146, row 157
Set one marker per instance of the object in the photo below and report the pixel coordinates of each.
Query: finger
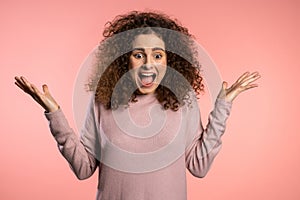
column 242, row 77
column 250, row 86
column 26, row 84
column 255, row 73
column 237, row 83
column 234, row 86
column 38, row 96
column 20, row 86
column 18, row 80
column 24, row 80
column 243, row 88
column 250, row 80
column 250, row 76
column 36, row 90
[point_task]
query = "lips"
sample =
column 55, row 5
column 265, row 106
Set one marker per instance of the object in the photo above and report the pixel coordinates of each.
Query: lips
column 147, row 78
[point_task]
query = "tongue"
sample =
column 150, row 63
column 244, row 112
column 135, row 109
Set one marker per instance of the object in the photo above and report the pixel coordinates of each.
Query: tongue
column 146, row 80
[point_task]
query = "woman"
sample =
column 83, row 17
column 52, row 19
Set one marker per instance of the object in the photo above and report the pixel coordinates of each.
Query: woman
column 146, row 74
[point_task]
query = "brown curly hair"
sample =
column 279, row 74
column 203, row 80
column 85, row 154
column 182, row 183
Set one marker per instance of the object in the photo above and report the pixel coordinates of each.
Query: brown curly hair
column 113, row 61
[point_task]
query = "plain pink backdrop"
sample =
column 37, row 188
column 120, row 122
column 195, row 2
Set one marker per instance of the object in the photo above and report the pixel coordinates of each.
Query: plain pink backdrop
column 48, row 41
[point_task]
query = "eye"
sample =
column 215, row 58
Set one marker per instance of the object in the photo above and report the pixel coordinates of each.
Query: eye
column 158, row 56
column 138, row 55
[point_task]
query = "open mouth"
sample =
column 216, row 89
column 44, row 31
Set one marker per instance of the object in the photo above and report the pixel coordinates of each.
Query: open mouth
column 147, row 78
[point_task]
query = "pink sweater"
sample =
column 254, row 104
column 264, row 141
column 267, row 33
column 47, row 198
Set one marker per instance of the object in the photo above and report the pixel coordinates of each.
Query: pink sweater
column 143, row 172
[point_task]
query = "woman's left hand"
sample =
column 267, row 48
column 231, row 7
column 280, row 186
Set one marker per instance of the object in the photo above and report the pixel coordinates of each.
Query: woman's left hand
column 244, row 83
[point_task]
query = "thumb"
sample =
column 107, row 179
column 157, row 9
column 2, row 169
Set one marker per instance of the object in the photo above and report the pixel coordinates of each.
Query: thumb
column 45, row 89
column 224, row 85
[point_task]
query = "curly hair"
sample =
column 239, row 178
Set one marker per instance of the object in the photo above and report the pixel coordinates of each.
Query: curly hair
column 113, row 61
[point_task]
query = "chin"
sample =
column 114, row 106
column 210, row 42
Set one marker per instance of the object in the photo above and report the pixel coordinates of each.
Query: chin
column 147, row 90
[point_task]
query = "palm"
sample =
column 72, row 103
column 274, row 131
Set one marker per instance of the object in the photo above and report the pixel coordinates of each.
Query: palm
column 44, row 99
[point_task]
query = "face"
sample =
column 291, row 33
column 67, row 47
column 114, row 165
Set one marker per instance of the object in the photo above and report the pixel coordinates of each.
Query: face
column 148, row 62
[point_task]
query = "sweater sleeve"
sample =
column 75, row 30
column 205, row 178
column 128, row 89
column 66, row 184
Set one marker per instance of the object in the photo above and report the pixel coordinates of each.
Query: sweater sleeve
column 80, row 160
column 207, row 142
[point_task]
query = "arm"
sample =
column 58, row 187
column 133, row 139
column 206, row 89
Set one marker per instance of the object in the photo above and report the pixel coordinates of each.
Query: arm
column 207, row 143
column 81, row 161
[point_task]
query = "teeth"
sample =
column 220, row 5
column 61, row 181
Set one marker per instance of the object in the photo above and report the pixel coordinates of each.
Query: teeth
column 147, row 74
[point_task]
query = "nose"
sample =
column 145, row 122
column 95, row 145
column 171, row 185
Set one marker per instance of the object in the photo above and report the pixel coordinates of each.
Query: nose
column 148, row 64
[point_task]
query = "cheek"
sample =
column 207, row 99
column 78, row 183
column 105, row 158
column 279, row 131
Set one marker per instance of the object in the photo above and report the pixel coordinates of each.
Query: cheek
column 134, row 64
column 163, row 67
column 162, row 71
column 162, row 62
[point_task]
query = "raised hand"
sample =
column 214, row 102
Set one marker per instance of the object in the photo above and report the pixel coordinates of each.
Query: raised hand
column 244, row 83
column 44, row 99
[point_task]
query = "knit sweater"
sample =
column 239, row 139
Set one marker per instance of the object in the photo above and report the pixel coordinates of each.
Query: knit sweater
column 142, row 151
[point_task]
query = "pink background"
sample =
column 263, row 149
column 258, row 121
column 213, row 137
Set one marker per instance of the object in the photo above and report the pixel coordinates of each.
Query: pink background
column 47, row 42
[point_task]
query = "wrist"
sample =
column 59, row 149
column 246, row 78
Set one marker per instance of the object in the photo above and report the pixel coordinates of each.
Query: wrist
column 52, row 109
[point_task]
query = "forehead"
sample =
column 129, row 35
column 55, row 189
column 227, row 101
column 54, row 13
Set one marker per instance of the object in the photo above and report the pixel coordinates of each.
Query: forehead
column 148, row 41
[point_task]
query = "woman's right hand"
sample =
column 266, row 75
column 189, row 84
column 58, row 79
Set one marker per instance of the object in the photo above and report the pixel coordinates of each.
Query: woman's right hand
column 44, row 99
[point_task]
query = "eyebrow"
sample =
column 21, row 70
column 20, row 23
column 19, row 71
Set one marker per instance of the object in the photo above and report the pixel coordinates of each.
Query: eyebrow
column 143, row 49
